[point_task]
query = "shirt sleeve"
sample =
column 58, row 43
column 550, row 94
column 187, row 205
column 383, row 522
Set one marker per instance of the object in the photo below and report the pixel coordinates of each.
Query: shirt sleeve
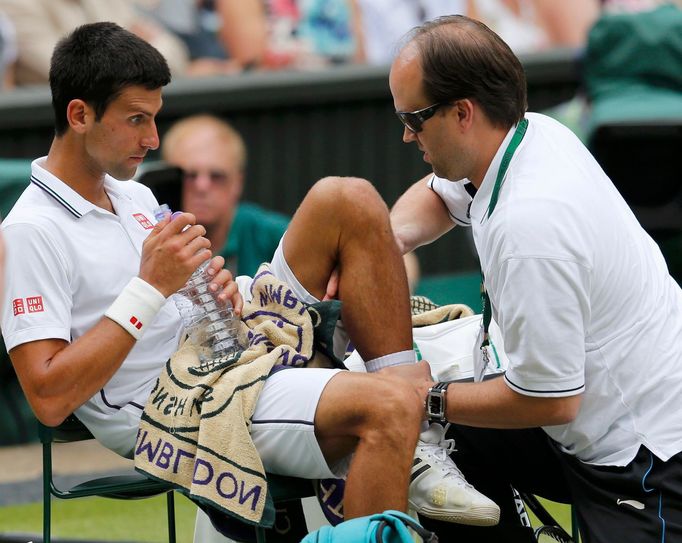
column 38, row 300
column 541, row 306
column 455, row 197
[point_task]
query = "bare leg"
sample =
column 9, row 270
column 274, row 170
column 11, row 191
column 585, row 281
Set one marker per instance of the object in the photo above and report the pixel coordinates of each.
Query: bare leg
column 378, row 418
column 343, row 224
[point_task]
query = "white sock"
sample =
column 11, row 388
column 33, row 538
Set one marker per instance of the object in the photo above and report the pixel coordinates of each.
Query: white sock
column 394, row 359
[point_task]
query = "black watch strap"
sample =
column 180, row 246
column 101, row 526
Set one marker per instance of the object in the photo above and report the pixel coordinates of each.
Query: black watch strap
column 436, row 402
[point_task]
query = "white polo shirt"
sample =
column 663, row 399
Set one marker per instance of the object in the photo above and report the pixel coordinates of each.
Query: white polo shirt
column 61, row 277
column 582, row 295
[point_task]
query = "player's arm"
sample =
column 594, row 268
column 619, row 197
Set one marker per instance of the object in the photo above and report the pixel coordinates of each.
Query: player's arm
column 419, row 217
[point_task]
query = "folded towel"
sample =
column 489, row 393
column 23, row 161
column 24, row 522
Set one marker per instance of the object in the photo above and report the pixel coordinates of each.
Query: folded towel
column 425, row 312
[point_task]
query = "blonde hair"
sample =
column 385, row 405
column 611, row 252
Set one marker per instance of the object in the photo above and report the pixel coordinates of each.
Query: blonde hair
column 184, row 128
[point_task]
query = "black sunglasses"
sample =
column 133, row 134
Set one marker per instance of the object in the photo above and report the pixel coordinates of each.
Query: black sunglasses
column 414, row 120
column 217, row 177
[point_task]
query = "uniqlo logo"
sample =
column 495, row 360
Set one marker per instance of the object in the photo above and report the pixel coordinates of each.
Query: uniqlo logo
column 18, row 306
column 144, row 221
column 35, row 304
column 136, row 323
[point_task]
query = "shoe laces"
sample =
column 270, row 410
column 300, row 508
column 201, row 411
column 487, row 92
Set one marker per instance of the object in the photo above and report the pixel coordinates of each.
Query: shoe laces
column 440, row 453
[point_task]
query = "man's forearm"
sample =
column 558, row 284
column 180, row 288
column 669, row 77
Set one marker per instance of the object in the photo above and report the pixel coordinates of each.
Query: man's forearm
column 492, row 404
column 419, row 217
column 58, row 377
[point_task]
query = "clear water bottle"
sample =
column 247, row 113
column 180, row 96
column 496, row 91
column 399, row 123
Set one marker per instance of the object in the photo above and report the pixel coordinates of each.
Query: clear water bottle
column 211, row 325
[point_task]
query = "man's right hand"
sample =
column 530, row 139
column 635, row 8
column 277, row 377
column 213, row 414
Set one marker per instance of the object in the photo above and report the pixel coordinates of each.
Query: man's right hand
column 172, row 251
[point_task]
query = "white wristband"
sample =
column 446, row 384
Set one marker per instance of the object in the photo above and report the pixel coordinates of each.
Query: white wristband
column 136, row 307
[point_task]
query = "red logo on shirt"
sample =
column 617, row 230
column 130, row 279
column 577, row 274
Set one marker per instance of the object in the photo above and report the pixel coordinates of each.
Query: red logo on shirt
column 18, row 306
column 35, row 304
column 144, row 221
column 136, row 323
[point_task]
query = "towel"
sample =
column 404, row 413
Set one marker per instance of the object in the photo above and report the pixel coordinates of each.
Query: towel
column 425, row 312
column 194, row 431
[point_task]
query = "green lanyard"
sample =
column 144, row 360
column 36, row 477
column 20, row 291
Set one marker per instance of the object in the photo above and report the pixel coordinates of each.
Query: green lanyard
column 499, row 181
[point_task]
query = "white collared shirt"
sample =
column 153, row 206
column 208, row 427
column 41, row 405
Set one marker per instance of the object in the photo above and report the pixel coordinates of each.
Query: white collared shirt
column 67, row 261
column 582, row 295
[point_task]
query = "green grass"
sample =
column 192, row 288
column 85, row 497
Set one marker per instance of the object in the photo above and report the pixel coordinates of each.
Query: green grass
column 137, row 520
column 103, row 519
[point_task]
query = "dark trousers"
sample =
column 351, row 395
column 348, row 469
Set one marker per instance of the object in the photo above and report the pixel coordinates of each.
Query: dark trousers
column 494, row 461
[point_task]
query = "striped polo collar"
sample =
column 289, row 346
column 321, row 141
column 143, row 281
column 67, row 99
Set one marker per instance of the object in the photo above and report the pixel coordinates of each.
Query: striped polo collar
column 63, row 194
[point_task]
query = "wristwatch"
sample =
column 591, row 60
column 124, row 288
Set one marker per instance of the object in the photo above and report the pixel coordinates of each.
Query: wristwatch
column 436, row 402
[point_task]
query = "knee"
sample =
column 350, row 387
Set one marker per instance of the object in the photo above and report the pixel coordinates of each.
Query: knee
column 349, row 198
column 397, row 413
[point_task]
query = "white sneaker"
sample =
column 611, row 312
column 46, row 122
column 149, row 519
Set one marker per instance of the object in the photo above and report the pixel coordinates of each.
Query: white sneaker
column 438, row 489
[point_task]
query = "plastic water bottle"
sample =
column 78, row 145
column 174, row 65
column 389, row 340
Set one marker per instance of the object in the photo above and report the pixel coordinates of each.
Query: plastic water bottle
column 211, row 325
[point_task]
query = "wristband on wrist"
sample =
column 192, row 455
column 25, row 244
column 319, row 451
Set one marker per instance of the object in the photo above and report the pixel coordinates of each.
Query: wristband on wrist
column 136, row 307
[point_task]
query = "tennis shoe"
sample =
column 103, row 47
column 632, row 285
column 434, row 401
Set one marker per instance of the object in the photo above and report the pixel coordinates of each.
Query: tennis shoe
column 438, row 489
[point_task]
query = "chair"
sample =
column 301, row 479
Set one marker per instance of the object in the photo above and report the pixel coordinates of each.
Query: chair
column 135, row 485
column 123, row 487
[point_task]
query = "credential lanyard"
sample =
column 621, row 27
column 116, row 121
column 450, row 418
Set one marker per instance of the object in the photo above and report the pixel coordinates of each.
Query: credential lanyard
column 499, row 181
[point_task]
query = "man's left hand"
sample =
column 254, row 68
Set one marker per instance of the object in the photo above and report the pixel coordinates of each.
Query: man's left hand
column 223, row 285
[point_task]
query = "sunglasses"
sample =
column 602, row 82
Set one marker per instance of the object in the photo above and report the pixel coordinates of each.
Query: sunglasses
column 414, row 120
column 217, row 177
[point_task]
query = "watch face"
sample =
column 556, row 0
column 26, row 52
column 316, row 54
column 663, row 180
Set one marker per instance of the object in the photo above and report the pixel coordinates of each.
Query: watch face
column 435, row 405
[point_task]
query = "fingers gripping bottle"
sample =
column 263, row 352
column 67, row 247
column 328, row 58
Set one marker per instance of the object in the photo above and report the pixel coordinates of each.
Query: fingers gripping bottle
column 211, row 325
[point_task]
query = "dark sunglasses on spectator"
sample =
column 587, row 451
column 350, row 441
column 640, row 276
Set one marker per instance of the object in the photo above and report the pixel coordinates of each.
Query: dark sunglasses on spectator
column 414, row 120
column 218, row 177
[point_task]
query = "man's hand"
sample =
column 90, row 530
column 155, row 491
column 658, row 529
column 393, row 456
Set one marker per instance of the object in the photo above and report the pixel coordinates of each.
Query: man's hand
column 332, row 291
column 172, row 251
column 419, row 374
column 222, row 282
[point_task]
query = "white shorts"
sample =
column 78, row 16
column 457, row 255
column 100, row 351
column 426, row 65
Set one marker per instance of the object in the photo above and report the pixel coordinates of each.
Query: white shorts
column 282, row 425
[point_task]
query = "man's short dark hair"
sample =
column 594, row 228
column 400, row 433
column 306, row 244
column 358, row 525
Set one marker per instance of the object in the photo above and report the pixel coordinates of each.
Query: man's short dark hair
column 96, row 62
column 462, row 58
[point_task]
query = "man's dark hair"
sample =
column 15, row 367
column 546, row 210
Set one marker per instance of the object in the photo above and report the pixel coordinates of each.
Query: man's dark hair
column 96, row 62
column 462, row 58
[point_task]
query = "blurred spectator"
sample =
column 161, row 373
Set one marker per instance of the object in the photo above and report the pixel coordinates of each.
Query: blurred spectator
column 533, row 25
column 8, row 52
column 212, row 156
column 526, row 25
column 298, row 34
column 195, row 22
column 384, row 22
column 198, row 25
column 40, row 24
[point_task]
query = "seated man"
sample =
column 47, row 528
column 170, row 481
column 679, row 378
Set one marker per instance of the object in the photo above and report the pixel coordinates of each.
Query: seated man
column 212, row 156
column 89, row 325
